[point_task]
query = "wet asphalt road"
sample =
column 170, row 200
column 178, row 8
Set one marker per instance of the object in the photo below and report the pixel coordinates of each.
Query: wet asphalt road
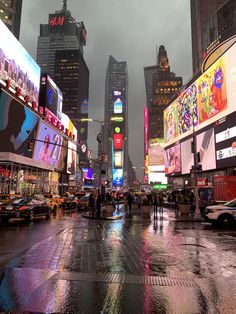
column 71, row 264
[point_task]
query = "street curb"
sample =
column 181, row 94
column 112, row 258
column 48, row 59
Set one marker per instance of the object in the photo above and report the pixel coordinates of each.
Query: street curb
column 103, row 218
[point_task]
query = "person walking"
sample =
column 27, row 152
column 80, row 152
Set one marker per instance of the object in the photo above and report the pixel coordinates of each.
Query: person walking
column 155, row 205
column 161, row 201
column 92, row 204
column 98, row 204
column 130, row 201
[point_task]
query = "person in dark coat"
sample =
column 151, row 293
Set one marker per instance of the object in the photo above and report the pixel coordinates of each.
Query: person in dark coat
column 155, row 205
column 98, row 204
column 161, row 201
column 130, row 201
column 92, row 204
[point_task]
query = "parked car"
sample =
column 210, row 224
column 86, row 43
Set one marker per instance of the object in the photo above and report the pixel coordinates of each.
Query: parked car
column 54, row 201
column 224, row 214
column 83, row 202
column 70, row 202
column 27, row 207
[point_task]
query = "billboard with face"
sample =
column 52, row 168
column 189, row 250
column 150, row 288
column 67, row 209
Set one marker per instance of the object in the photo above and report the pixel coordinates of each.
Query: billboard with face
column 17, row 65
column 225, row 133
column 18, row 125
column 117, row 177
column 48, row 145
column 172, row 159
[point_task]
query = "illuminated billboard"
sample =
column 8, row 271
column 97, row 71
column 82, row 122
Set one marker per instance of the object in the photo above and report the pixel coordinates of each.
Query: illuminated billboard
column 50, row 95
column 225, row 134
column 172, row 159
column 71, row 158
column 211, row 97
column 156, row 152
column 118, row 159
column 118, row 106
column 171, row 129
column 87, row 173
column 187, row 160
column 17, row 65
column 118, row 141
column 117, row 177
column 18, row 125
column 206, row 149
column 48, row 145
column 68, row 124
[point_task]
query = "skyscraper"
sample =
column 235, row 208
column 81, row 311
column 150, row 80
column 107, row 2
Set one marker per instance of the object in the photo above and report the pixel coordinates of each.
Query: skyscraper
column 201, row 10
column 60, row 54
column 116, row 131
column 10, row 14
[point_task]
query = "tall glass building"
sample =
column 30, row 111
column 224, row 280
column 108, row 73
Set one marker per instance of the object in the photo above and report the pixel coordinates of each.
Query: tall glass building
column 10, row 14
column 116, row 121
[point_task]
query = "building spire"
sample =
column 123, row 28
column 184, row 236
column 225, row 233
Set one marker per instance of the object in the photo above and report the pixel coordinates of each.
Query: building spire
column 64, row 5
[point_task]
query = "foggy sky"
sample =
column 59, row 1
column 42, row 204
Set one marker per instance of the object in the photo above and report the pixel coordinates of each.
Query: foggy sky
column 129, row 30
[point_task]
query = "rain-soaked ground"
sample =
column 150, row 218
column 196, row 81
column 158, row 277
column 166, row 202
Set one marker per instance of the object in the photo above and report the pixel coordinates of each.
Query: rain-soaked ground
column 72, row 264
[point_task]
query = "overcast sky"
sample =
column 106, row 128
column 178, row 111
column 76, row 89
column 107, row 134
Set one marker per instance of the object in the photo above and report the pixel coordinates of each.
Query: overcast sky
column 129, row 30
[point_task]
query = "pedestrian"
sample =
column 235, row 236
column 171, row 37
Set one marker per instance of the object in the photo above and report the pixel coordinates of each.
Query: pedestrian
column 130, row 201
column 155, row 205
column 92, row 204
column 161, row 201
column 191, row 200
column 98, row 204
column 176, row 200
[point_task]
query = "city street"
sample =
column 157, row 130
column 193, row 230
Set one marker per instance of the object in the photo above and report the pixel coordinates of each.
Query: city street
column 71, row 264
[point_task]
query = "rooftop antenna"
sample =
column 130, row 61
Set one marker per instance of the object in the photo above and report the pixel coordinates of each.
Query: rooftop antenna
column 64, row 5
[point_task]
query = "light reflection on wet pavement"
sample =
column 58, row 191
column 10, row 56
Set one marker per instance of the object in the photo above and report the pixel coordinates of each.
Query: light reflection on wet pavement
column 124, row 266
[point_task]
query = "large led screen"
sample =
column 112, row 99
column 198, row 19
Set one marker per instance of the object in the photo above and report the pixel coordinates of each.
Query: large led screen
column 172, row 159
column 118, row 159
column 171, row 129
column 118, row 141
column 225, row 133
column 18, row 125
column 187, row 159
column 117, row 177
column 156, row 152
column 211, row 96
column 50, row 95
column 17, row 65
column 48, row 145
column 206, row 149
column 87, row 173
column 71, row 158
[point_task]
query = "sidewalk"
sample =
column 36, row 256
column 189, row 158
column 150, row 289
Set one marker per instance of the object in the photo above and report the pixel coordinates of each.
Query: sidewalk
column 168, row 214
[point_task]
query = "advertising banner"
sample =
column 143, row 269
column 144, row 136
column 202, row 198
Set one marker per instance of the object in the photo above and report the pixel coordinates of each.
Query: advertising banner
column 117, row 177
column 171, row 129
column 118, row 141
column 118, row 106
column 225, row 132
column 206, row 149
column 17, row 65
column 118, row 159
column 50, row 95
column 87, row 173
column 48, row 145
column 187, row 160
column 156, row 152
column 18, row 125
column 68, row 124
column 172, row 159
column 71, row 158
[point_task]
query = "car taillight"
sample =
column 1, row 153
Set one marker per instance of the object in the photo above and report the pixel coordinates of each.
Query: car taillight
column 23, row 207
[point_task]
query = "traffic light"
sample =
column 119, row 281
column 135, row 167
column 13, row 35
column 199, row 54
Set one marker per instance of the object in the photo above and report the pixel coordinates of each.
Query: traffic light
column 30, row 145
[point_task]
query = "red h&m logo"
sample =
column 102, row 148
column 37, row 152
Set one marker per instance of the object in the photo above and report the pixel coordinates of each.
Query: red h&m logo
column 118, row 141
column 57, row 21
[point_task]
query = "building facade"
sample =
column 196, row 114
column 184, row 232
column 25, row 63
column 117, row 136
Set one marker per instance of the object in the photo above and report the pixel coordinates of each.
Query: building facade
column 10, row 14
column 201, row 11
column 115, row 134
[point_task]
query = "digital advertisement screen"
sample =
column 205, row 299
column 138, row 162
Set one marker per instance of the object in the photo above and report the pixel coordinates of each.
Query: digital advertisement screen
column 50, row 96
column 171, row 129
column 87, row 173
column 206, row 149
column 225, row 133
column 118, row 106
column 17, row 65
column 172, row 159
column 68, row 124
column 117, row 177
column 187, row 159
column 118, row 158
column 71, row 158
column 18, row 125
column 118, row 141
column 156, row 152
column 48, row 145
column 211, row 96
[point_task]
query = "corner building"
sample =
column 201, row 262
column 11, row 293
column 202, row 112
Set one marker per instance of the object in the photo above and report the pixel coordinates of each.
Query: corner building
column 10, row 14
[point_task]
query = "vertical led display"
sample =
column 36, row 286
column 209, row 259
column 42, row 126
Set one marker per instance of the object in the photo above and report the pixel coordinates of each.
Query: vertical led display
column 118, row 141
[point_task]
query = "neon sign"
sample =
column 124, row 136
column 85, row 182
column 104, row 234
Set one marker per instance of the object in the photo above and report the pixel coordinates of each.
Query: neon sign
column 56, row 20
